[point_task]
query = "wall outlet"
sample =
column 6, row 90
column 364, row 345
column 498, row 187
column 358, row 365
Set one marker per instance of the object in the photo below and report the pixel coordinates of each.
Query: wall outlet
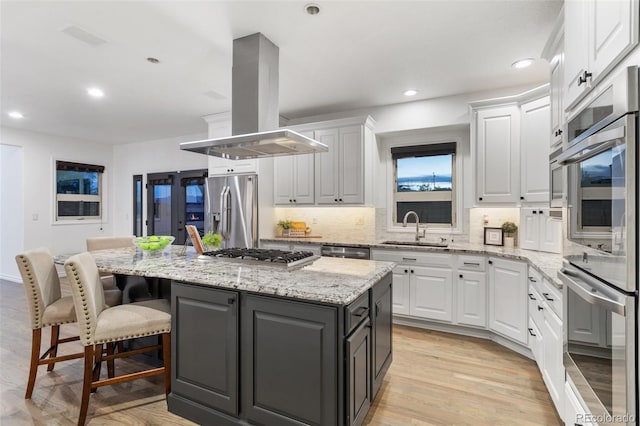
column 34, row 216
column 360, row 220
column 314, row 221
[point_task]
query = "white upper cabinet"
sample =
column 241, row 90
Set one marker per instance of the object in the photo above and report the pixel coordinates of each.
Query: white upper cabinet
column 556, row 91
column 497, row 132
column 598, row 34
column 294, row 178
column 339, row 172
column 534, row 145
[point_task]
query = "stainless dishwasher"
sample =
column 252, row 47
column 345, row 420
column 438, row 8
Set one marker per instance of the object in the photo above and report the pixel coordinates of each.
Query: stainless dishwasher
column 346, row 252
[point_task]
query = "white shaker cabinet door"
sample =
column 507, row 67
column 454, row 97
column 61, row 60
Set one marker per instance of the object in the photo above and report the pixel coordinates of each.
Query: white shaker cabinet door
column 498, row 154
column 282, row 180
column 472, row 298
column 529, row 228
column 432, row 293
column 576, row 57
column 351, row 165
column 552, row 367
column 327, row 166
column 534, row 146
column 401, row 290
column 508, row 298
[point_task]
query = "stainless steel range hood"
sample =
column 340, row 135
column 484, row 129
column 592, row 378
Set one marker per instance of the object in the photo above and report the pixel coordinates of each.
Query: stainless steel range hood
column 254, row 109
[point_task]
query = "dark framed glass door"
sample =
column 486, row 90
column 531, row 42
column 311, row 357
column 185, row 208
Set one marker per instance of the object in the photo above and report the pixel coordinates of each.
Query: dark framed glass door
column 175, row 199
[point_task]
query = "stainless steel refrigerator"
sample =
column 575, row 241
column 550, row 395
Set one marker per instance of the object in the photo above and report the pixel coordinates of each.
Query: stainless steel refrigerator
column 231, row 204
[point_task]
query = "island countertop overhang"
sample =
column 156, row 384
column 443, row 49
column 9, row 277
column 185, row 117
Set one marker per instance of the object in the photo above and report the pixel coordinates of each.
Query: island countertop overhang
column 327, row 280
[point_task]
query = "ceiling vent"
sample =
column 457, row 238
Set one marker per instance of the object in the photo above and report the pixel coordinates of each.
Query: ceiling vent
column 83, row 35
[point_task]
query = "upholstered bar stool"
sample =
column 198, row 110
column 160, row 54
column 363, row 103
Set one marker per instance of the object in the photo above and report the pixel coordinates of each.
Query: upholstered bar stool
column 133, row 288
column 47, row 308
column 99, row 326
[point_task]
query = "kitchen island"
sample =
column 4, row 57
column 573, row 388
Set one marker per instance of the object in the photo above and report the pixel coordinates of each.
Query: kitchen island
column 254, row 344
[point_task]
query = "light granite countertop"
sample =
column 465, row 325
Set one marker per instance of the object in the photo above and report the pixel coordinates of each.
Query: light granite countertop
column 548, row 264
column 327, row 280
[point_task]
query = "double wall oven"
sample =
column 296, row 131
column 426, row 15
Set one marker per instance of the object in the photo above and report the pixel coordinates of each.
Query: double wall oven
column 600, row 269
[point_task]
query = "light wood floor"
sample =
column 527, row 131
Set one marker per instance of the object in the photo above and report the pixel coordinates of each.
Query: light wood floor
column 435, row 379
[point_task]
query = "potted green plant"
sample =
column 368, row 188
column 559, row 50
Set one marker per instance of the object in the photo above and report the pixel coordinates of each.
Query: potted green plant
column 509, row 229
column 212, row 240
column 284, row 226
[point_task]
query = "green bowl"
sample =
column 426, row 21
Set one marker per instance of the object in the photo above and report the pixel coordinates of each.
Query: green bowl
column 153, row 243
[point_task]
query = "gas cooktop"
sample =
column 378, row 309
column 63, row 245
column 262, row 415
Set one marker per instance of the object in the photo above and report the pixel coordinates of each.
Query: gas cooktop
column 281, row 258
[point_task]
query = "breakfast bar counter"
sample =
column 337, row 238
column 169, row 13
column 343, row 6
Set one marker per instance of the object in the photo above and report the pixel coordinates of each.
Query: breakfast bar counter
column 259, row 343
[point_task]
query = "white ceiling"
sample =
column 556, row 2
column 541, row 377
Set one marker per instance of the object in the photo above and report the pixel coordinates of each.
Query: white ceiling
column 353, row 54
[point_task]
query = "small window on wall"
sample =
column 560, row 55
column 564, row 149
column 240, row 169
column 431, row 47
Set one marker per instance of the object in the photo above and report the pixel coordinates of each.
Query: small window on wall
column 78, row 191
column 425, row 183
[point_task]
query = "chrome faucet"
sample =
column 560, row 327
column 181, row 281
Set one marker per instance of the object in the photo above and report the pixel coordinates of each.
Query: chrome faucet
column 418, row 233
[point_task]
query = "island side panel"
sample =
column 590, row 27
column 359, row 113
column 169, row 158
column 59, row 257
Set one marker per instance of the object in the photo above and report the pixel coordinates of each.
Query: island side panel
column 289, row 360
column 205, row 346
column 381, row 319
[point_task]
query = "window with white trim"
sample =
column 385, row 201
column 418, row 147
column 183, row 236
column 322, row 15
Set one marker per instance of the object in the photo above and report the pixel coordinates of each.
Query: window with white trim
column 78, row 191
column 425, row 183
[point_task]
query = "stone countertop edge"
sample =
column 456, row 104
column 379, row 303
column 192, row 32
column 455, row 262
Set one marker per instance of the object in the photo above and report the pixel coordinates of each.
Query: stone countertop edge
column 332, row 281
column 548, row 264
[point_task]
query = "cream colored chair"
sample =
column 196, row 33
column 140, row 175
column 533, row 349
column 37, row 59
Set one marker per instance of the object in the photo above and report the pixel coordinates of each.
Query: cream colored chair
column 47, row 308
column 99, row 326
column 133, row 288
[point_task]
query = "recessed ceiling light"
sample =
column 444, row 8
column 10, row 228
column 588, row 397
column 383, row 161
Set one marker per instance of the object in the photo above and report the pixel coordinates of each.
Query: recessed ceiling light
column 312, row 9
column 410, row 92
column 522, row 63
column 95, row 92
column 16, row 114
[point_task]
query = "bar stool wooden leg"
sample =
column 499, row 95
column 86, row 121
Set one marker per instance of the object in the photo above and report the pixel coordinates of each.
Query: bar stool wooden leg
column 166, row 357
column 110, row 362
column 36, row 337
column 55, row 333
column 97, row 367
column 86, row 383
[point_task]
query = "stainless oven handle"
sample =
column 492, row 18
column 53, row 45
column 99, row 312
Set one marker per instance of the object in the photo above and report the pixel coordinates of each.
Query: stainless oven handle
column 588, row 292
column 596, row 143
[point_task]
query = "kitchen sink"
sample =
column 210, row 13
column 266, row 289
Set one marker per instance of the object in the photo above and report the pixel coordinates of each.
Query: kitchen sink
column 416, row 243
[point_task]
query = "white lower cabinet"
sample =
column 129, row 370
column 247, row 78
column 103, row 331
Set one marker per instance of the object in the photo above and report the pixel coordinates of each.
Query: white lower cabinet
column 535, row 343
column 472, row 298
column 508, row 298
column 401, row 289
column 552, row 367
column 432, row 293
column 573, row 413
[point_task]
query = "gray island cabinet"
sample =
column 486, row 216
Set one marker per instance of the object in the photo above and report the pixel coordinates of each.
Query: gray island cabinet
column 241, row 357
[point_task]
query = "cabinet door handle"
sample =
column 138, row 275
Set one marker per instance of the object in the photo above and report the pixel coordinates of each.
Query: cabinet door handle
column 540, row 308
column 583, row 78
column 378, row 309
column 531, row 296
column 409, row 259
column 231, row 300
column 546, row 296
column 471, row 264
column 361, row 311
column 535, row 212
column 559, row 132
column 533, row 280
column 531, row 332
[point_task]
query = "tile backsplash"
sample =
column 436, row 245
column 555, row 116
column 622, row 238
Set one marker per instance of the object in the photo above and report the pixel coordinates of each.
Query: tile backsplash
column 491, row 217
column 337, row 223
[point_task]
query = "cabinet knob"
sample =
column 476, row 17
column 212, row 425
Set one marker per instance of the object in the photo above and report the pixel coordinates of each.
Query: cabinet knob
column 412, row 271
column 559, row 132
column 491, row 262
column 294, row 201
column 340, row 199
column 480, row 198
column 291, row 201
column 406, row 270
column 461, row 276
column 231, row 300
column 522, row 198
column 335, row 199
column 535, row 212
column 540, row 212
column 555, row 133
column 583, row 78
column 540, row 308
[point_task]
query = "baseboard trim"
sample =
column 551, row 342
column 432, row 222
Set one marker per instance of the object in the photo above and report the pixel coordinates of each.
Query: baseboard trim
column 465, row 331
column 12, row 278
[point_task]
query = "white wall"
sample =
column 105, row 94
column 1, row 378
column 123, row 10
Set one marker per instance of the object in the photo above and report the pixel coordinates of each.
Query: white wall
column 140, row 158
column 40, row 153
column 11, row 210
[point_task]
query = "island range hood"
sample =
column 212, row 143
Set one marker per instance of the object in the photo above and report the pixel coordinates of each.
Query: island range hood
column 254, row 109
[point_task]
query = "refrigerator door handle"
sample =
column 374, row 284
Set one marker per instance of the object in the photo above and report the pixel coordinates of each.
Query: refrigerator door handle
column 225, row 205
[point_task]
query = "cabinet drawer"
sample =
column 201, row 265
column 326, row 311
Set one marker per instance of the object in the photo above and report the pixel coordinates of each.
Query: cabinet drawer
column 410, row 257
column 534, row 279
column 535, row 303
column 471, row 263
column 553, row 297
column 355, row 313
